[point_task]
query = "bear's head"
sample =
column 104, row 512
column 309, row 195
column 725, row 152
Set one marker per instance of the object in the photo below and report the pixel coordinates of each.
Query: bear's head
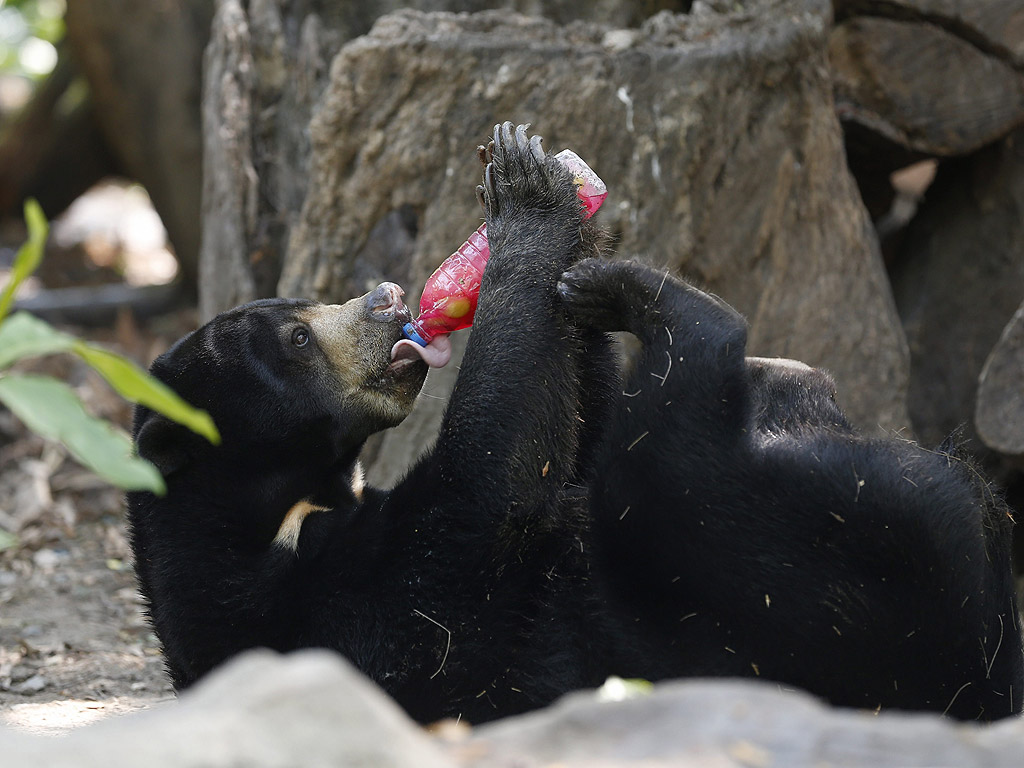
column 295, row 388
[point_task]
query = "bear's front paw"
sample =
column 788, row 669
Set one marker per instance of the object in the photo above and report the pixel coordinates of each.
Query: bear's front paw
column 522, row 182
column 593, row 296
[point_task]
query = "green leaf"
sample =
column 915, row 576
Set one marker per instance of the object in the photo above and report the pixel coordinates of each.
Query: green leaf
column 51, row 409
column 8, row 540
column 29, row 255
column 134, row 384
column 22, row 335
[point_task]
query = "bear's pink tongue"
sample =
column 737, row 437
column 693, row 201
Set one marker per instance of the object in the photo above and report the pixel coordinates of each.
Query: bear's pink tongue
column 436, row 354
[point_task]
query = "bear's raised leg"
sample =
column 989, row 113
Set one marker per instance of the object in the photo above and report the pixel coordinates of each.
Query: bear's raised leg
column 513, row 415
column 692, row 368
column 668, row 459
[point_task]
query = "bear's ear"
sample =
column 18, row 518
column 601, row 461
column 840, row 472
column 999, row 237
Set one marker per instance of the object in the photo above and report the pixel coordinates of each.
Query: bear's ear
column 164, row 443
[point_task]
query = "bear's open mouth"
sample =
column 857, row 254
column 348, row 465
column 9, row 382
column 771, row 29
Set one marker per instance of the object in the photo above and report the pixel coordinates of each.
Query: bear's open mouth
column 399, row 367
column 406, row 366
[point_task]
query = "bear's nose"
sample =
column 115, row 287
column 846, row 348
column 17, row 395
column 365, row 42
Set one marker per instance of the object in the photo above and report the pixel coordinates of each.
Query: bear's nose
column 384, row 303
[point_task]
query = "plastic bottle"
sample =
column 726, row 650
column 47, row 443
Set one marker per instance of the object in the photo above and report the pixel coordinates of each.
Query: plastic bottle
column 449, row 297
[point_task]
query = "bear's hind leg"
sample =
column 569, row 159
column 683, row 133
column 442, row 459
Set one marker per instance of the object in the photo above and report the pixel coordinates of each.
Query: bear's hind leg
column 691, row 375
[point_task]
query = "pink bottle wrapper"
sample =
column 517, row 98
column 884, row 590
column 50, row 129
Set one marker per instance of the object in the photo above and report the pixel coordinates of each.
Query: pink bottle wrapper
column 449, row 298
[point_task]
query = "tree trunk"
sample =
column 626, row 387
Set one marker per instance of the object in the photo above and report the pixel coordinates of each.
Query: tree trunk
column 53, row 150
column 143, row 64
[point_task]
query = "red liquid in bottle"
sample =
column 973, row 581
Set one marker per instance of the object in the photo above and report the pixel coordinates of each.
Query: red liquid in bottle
column 450, row 295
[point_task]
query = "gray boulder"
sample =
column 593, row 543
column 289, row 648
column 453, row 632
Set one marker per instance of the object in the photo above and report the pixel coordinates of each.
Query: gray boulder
column 733, row 723
column 313, row 709
column 932, row 78
column 958, row 280
column 265, row 69
column 308, row 710
column 999, row 415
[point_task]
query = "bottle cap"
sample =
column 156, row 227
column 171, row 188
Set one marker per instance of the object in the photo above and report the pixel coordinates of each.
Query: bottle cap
column 409, row 329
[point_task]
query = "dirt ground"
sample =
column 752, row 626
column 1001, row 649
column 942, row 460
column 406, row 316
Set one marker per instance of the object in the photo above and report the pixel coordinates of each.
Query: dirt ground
column 74, row 643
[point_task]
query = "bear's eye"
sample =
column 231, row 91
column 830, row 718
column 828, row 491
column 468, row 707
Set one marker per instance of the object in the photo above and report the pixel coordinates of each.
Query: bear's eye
column 300, row 337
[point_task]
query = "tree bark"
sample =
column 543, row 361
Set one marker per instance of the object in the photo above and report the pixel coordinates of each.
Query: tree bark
column 143, row 64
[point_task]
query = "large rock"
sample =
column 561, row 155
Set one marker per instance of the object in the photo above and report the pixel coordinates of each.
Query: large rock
column 918, row 78
column 714, row 131
column 995, row 27
column 732, row 723
column 262, row 711
column 958, row 280
column 925, row 87
column 313, row 709
column 999, row 415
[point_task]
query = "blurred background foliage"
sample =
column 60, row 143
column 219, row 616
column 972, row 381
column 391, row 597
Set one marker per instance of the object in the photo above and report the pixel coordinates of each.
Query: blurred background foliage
column 30, row 31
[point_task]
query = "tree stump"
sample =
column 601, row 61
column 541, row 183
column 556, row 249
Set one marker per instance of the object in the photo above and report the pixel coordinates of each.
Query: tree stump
column 715, row 132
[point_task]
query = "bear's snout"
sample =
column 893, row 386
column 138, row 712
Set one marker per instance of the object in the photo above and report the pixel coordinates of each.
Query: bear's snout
column 384, row 304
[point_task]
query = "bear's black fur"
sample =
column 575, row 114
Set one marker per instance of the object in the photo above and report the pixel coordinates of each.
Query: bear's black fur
column 714, row 515
column 777, row 542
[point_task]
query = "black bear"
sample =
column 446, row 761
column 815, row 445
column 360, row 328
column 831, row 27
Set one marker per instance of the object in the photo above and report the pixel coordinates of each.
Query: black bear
column 713, row 515
column 766, row 537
